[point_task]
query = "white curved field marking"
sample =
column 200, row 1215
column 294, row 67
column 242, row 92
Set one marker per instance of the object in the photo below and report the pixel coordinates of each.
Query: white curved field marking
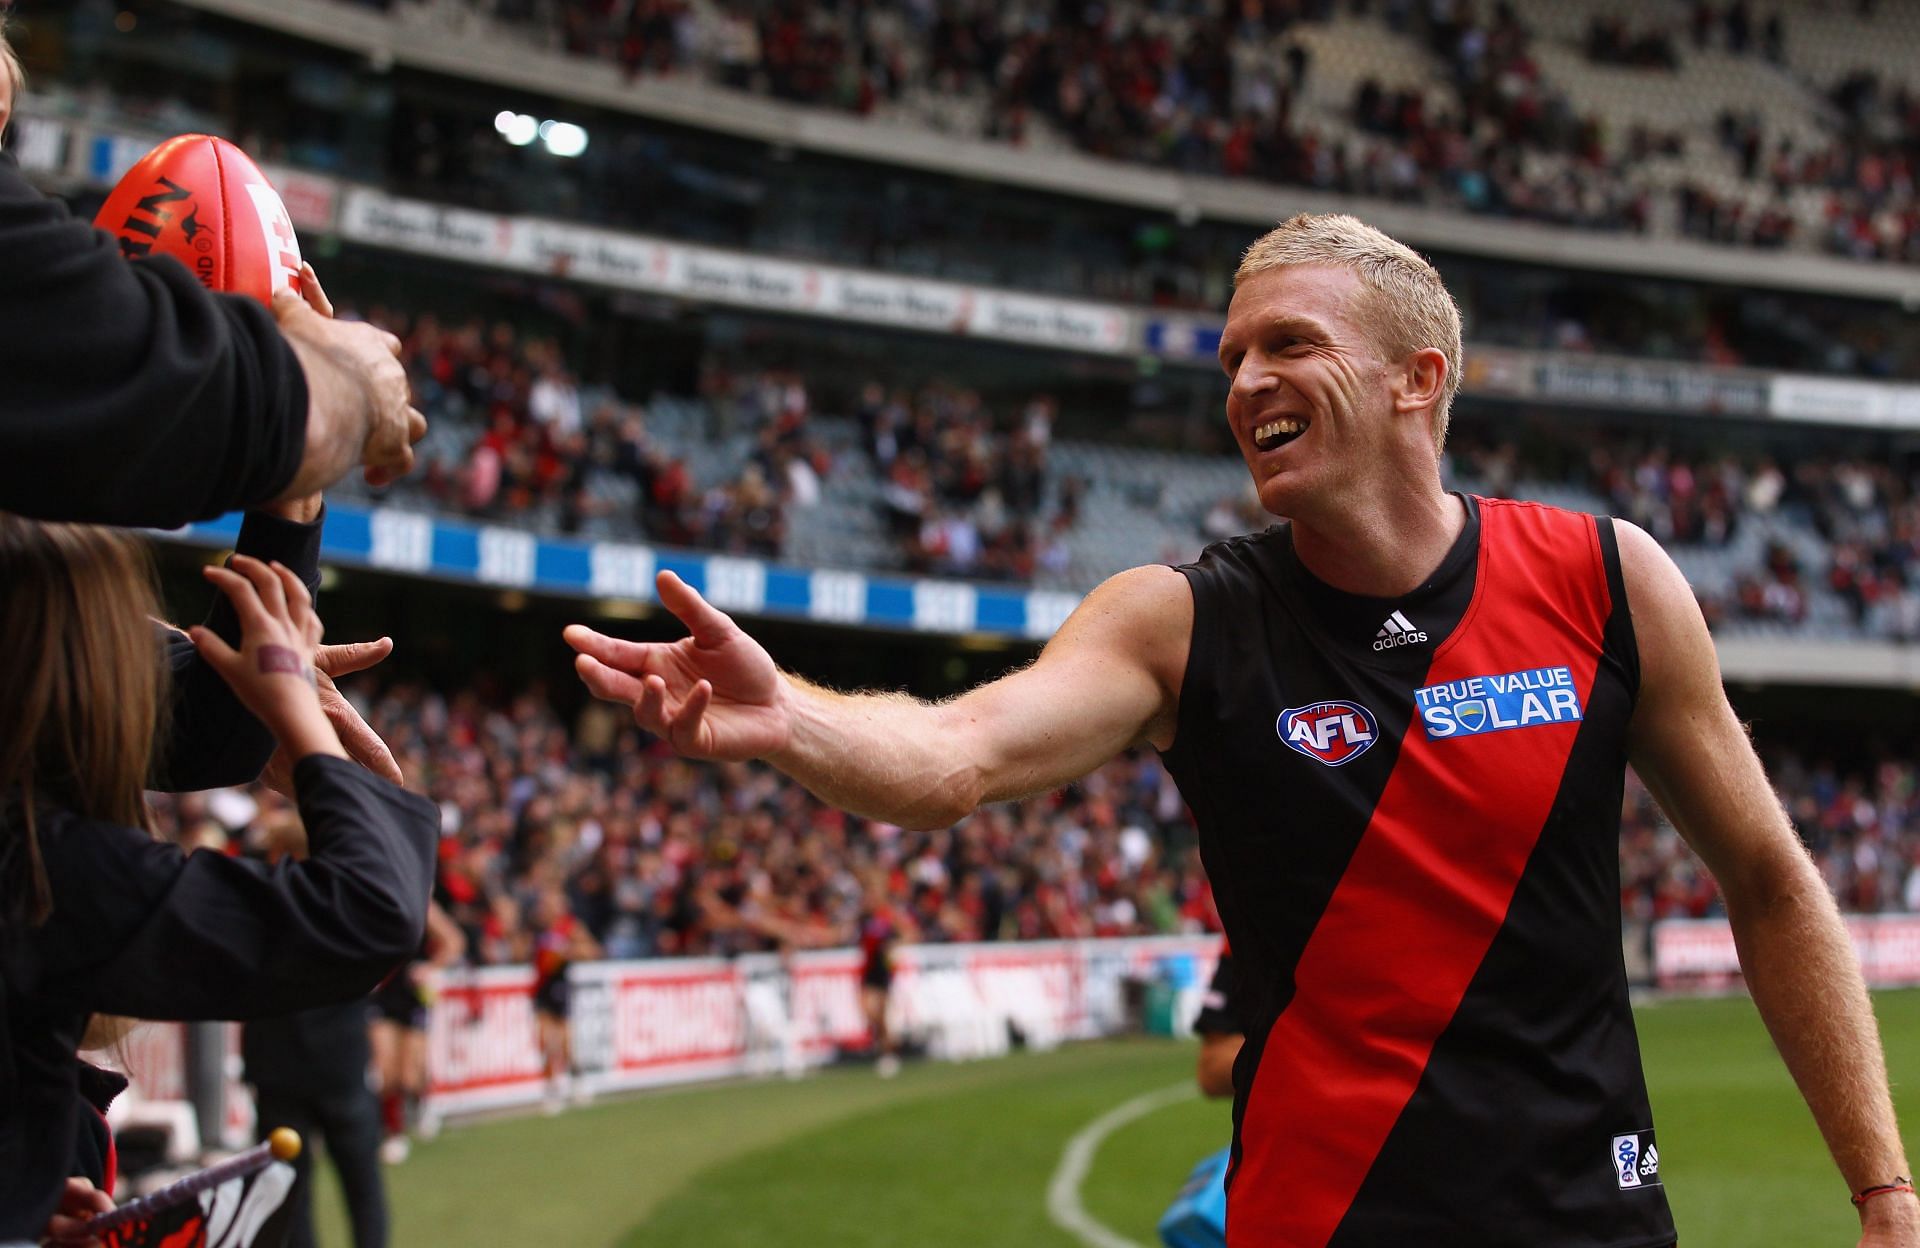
column 1063, row 1192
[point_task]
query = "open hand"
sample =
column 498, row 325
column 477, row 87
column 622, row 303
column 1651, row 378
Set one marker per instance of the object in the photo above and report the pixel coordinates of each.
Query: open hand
column 715, row 694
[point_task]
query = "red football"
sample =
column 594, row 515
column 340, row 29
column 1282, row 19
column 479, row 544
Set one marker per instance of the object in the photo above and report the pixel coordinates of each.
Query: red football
column 201, row 200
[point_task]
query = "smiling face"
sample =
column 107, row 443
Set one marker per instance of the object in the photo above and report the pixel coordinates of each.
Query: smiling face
column 1311, row 404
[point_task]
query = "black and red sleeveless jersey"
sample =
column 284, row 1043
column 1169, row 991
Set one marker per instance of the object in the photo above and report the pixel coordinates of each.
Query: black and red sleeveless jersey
column 1409, row 810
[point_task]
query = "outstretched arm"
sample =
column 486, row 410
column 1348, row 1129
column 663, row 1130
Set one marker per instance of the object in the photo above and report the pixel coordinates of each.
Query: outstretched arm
column 1799, row 964
column 1108, row 679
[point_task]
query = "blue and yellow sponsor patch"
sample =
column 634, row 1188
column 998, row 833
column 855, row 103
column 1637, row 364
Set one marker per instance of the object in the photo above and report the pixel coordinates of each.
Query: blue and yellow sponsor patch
column 1482, row 704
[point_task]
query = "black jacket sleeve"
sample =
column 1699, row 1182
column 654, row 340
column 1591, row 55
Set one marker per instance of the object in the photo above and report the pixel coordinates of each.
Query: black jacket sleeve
column 211, row 740
column 141, row 929
column 131, row 395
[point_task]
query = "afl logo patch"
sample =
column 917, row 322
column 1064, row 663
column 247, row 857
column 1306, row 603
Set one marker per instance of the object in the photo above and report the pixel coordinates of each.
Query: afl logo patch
column 1332, row 732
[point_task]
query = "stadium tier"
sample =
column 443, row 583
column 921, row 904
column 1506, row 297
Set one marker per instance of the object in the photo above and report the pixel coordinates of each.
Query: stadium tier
column 1784, row 129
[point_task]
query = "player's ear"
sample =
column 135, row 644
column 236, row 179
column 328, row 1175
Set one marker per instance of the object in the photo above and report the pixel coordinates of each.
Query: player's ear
column 1421, row 381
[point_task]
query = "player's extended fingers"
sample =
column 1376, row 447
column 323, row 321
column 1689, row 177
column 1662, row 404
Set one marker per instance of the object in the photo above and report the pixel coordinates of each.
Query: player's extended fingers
column 632, row 657
column 709, row 625
column 607, row 683
column 241, row 593
column 416, row 425
column 650, row 712
column 688, row 716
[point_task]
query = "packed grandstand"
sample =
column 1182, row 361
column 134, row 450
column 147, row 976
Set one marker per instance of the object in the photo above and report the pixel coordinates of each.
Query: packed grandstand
column 812, row 300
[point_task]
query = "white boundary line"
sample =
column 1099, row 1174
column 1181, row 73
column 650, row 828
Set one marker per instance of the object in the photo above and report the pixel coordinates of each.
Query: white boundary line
column 1063, row 1191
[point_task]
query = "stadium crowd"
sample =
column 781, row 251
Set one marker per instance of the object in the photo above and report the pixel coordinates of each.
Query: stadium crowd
column 656, row 856
column 1218, row 90
column 1862, row 823
column 1863, row 510
column 964, row 488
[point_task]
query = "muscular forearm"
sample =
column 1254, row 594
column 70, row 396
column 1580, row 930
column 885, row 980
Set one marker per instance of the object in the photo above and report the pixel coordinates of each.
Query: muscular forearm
column 882, row 756
column 1806, row 982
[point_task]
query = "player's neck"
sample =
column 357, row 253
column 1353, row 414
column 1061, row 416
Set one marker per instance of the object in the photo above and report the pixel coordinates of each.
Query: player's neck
column 1385, row 548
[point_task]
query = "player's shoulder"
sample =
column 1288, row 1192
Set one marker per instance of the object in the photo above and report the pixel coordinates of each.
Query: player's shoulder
column 1139, row 600
column 1527, row 511
column 1654, row 583
column 1241, row 549
column 1140, row 617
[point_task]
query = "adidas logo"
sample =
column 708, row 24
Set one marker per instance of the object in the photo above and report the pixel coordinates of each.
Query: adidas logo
column 1397, row 631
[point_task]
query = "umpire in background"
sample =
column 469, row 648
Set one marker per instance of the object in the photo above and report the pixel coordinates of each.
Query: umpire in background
column 309, row 1071
column 133, row 396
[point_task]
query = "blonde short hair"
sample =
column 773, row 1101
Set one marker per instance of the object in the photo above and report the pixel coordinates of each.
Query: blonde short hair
column 1408, row 307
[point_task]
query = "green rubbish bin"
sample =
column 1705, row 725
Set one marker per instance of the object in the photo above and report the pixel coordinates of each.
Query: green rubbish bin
column 1157, row 1018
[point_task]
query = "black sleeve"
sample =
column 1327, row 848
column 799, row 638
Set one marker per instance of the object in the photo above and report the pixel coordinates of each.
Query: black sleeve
column 143, row 930
column 210, row 739
column 132, row 395
column 1219, row 1015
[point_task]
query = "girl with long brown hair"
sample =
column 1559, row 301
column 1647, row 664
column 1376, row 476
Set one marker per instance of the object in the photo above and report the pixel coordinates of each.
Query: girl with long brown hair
column 98, row 918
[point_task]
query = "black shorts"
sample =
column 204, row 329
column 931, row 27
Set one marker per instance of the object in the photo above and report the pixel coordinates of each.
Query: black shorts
column 550, row 996
column 399, row 1001
column 876, row 975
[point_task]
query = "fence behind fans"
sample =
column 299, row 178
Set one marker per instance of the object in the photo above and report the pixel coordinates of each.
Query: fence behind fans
column 660, row 1021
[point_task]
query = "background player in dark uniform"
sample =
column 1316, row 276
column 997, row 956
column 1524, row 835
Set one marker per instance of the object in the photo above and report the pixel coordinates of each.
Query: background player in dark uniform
column 398, row 1034
column 880, row 933
column 559, row 940
column 1220, row 1029
column 1412, row 832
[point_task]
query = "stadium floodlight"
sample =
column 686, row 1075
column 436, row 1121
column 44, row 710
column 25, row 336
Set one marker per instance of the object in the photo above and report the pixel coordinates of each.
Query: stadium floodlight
column 516, row 128
column 563, row 138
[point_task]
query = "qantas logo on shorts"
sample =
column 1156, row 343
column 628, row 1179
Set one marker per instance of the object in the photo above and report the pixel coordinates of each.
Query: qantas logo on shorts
column 1333, row 732
column 1480, row 704
column 1636, row 1162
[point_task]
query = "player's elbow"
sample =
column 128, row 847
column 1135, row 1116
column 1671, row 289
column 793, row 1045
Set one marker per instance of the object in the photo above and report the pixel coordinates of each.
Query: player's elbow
column 1214, row 1070
column 1778, row 880
column 952, row 798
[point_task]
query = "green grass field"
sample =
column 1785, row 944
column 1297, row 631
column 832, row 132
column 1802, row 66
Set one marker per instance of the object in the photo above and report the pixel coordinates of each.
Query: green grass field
column 952, row 1156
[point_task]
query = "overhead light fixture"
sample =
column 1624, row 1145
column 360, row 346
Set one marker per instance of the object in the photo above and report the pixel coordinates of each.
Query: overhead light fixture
column 563, row 138
column 516, row 128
